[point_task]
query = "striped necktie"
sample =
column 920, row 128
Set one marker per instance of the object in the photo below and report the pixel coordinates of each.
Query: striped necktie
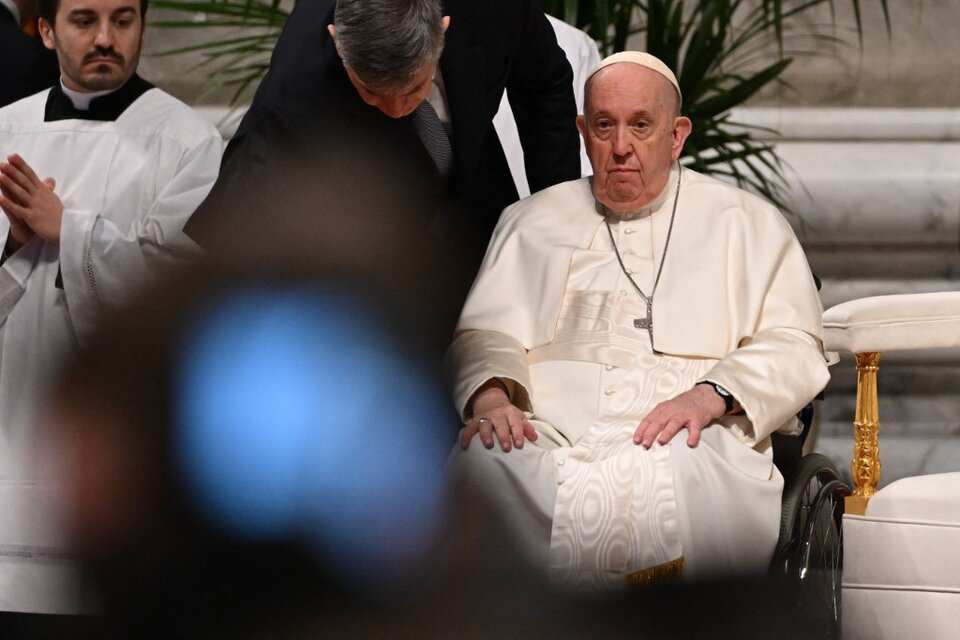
column 434, row 138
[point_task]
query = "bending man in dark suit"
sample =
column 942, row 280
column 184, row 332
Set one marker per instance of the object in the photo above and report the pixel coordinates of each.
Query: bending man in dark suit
column 27, row 66
column 361, row 69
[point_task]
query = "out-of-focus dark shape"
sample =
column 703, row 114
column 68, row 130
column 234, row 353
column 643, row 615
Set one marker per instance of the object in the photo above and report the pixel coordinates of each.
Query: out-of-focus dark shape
column 254, row 449
column 356, row 209
column 27, row 66
column 266, row 429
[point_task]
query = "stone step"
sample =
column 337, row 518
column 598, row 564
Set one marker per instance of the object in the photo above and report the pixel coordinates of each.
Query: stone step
column 900, row 456
column 949, row 427
column 905, row 415
column 917, row 395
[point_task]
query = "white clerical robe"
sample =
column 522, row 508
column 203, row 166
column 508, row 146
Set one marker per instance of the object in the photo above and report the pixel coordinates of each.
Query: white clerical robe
column 552, row 313
column 128, row 187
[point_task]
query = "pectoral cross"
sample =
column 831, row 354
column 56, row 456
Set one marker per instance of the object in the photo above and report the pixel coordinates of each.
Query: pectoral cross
column 647, row 323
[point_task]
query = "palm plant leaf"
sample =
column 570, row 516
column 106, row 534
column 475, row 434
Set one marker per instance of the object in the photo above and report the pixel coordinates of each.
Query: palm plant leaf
column 741, row 90
column 239, row 54
column 230, row 45
column 251, row 10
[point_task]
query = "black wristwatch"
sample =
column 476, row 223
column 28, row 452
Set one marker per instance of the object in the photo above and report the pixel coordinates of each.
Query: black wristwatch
column 723, row 393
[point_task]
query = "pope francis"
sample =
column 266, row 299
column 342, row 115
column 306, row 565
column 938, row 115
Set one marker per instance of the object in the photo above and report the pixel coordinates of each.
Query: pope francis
column 630, row 344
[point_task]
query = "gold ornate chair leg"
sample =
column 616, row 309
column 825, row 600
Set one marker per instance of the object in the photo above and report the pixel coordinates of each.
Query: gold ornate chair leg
column 866, row 430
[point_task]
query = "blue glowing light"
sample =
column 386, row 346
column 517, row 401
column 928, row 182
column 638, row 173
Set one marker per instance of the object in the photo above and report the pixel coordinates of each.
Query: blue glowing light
column 299, row 416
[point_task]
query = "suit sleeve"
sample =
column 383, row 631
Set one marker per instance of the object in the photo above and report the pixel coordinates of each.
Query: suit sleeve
column 540, row 90
column 294, row 91
column 242, row 183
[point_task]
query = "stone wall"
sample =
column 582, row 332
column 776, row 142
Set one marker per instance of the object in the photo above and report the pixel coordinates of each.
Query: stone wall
column 876, row 194
column 912, row 68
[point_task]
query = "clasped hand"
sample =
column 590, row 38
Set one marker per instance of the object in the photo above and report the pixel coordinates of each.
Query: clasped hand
column 30, row 203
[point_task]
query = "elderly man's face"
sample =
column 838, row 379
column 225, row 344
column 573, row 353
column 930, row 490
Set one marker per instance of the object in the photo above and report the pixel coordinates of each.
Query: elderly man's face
column 632, row 135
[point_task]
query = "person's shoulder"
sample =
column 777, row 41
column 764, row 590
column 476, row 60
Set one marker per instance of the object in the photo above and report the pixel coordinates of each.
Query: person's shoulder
column 312, row 10
column 505, row 15
column 555, row 207
column 570, row 35
column 27, row 109
column 721, row 196
column 162, row 113
column 714, row 198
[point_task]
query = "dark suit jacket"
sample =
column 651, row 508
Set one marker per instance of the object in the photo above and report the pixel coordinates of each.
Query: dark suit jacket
column 491, row 45
column 26, row 66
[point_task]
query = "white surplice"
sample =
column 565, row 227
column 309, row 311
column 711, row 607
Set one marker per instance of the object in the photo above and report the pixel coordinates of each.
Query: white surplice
column 128, row 186
column 552, row 312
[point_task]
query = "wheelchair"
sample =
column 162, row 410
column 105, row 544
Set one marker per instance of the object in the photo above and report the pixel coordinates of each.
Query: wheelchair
column 809, row 552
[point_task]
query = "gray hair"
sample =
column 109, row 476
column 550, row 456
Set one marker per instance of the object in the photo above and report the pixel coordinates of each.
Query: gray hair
column 386, row 42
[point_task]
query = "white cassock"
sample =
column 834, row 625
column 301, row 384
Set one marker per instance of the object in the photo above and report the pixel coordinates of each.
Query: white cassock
column 127, row 186
column 552, row 313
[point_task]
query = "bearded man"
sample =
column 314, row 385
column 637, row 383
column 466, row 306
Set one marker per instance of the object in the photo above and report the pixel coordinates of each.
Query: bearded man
column 628, row 348
column 99, row 175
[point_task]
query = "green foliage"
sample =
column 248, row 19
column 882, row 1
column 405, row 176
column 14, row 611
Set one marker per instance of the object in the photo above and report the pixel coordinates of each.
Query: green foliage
column 242, row 36
column 724, row 51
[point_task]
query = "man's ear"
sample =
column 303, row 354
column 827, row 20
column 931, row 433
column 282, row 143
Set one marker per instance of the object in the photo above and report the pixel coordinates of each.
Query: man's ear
column 582, row 126
column 445, row 23
column 681, row 130
column 332, row 30
column 46, row 34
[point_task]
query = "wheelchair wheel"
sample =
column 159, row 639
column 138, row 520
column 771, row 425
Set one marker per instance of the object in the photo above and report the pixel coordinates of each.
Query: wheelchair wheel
column 810, row 552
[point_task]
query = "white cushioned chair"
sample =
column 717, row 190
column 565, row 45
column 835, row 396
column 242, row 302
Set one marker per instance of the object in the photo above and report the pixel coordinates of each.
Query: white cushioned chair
column 901, row 569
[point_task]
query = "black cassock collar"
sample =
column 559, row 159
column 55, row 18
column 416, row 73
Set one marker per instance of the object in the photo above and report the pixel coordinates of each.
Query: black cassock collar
column 105, row 108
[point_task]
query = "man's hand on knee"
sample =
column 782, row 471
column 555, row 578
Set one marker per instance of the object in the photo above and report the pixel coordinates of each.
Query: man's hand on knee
column 495, row 417
column 693, row 409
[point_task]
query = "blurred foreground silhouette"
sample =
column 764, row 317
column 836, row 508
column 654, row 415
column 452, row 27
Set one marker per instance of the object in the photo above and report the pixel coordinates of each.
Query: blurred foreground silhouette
column 254, row 448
